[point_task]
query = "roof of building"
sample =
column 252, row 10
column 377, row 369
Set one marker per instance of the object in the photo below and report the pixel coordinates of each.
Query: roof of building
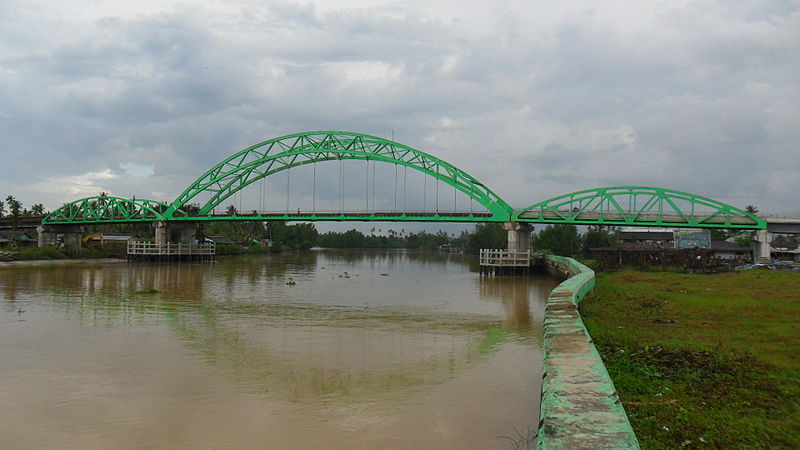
column 20, row 236
column 795, row 251
column 725, row 246
column 220, row 239
column 116, row 237
column 646, row 229
column 646, row 235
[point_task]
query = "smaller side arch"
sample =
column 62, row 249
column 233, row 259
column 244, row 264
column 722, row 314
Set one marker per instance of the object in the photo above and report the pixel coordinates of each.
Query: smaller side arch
column 638, row 206
column 107, row 209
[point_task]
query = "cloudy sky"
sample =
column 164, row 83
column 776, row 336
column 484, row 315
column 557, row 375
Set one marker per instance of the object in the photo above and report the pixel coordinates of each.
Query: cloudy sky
column 533, row 98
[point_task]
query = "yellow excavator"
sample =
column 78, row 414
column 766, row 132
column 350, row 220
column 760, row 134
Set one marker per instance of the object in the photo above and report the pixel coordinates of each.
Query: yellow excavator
column 89, row 237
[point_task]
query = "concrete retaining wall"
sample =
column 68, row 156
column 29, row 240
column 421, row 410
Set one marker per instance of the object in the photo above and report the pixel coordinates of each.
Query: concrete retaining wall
column 580, row 407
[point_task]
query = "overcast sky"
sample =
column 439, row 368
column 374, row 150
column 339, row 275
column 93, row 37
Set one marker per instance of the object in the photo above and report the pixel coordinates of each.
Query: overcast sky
column 534, row 99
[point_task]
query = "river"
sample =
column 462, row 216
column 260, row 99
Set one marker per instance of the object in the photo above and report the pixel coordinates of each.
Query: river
column 331, row 349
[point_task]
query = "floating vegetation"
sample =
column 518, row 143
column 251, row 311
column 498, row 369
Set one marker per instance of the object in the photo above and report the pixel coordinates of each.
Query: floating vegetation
column 148, row 291
column 291, row 282
column 384, row 274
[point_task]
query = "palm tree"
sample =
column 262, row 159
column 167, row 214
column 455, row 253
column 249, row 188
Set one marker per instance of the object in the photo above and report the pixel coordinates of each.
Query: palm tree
column 15, row 207
column 37, row 210
column 750, row 209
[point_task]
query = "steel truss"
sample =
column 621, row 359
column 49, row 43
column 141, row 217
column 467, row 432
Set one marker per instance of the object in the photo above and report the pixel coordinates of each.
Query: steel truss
column 107, row 209
column 275, row 155
column 638, row 206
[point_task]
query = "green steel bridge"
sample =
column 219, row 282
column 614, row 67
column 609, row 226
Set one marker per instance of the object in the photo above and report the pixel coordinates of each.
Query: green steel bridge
column 608, row 206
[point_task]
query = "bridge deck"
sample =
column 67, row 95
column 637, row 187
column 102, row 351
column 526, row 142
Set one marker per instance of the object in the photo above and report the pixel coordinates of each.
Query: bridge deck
column 635, row 218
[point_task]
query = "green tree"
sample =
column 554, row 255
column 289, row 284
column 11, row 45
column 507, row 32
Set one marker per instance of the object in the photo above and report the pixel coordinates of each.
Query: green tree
column 561, row 239
column 36, row 210
column 596, row 238
column 301, row 236
column 2, row 209
column 15, row 210
column 486, row 235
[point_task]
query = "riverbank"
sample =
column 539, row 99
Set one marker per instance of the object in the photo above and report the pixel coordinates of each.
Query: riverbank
column 51, row 253
column 702, row 360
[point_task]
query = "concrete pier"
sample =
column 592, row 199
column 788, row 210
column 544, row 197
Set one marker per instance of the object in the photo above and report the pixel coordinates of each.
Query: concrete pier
column 519, row 236
column 70, row 235
column 188, row 232
column 761, row 251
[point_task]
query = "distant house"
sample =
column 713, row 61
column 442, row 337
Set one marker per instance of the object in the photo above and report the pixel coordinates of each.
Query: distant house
column 785, row 253
column 731, row 251
column 112, row 237
column 656, row 236
column 659, row 246
column 23, row 239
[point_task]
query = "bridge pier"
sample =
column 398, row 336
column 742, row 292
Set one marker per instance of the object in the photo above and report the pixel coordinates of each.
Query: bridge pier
column 762, row 251
column 519, row 236
column 188, row 231
column 71, row 234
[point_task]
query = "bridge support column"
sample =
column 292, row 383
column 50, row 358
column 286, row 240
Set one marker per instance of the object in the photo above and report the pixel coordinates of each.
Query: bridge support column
column 161, row 232
column 762, row 251
column 70, row 235
column 188, row 230
column 519, row 236
column 47, row 238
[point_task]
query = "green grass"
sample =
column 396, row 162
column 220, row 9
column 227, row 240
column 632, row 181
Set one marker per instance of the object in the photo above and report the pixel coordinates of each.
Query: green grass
column 38, row 253
column 50, row 253
column 713, row 358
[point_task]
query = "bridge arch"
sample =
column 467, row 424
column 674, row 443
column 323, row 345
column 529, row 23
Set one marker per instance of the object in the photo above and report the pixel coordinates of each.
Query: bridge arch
column 108, row 209
column 266, row 158
column 638, row 205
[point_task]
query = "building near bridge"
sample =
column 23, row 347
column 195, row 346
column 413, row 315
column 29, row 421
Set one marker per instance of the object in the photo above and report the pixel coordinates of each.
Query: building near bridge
column 220, row 240
column 649, row 240
column 786, row 253
column 23, row 239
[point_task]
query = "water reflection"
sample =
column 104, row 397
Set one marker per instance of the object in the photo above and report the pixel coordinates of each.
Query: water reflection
column 387, row 329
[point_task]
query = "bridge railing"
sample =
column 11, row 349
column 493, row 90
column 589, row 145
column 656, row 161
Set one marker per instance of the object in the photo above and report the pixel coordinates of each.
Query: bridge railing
column 151, row 248
column 640, row 216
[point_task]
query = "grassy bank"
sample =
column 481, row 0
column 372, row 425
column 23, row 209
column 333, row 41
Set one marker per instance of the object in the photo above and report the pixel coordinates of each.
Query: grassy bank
column 702, row 360
column 50, row 253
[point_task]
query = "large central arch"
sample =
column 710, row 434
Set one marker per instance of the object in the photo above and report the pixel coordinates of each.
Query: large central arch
column 269, row 157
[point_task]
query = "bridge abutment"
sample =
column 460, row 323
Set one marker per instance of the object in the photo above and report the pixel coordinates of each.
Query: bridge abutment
column 519, row 236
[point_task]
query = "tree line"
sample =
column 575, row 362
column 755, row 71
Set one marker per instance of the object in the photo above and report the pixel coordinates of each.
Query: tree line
column 15, row 208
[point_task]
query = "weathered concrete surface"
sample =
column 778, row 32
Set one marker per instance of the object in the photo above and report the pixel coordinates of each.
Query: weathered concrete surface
column 71, row 234
column 580, row 408
column 519, row 236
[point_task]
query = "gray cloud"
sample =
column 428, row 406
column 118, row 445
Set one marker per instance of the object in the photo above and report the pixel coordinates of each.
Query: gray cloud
column 699, row 96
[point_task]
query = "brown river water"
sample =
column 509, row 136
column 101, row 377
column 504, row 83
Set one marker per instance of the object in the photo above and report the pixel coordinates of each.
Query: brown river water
column 324, row 349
